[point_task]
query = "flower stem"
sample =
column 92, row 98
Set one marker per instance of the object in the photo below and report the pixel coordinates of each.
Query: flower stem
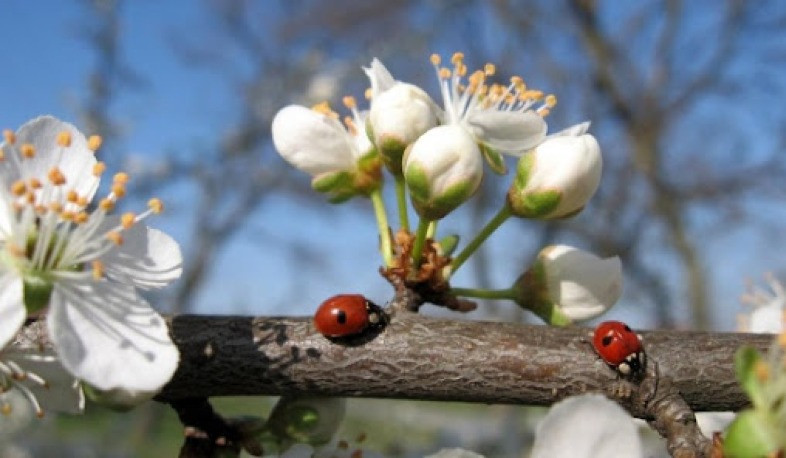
column 420, row 241
column 382, row 225
column 503, row 214
column 480, row 293
column 432, row 229
column 401, row 199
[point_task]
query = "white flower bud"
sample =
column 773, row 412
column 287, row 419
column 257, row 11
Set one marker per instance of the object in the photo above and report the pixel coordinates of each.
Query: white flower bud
column 557, row 178
column 443, row 169
column 566, row 284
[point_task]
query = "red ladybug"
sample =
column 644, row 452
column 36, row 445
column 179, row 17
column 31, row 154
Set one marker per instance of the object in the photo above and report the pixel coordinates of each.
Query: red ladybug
column 346, row 315
column 619, row 346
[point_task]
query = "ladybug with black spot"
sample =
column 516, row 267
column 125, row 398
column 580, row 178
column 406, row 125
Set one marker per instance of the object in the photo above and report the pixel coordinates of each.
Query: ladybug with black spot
column 619, row 347
column 346, row 315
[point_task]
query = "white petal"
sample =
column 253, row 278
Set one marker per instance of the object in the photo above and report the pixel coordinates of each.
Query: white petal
column 572, row 131
column 404, row 113
column 13, row 424
column 582, row 284
column 148, row 258
column 62, row 392
column 111, row 338
column 767, row 319
column 587, row 426
column 380, row 77
column 312, row 142
column 12, row 309
column 509, row 132
column 76, row 161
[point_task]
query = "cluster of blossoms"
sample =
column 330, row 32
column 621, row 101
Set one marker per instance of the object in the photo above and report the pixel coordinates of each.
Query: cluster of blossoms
column 436, row 155
column 74, row 264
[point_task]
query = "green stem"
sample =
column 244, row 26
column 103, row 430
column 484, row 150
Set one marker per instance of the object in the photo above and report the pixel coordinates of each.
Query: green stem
column 479, row 293
column 432, row 229
column 503, row 214
column 420, row 241
column 401, row 199
column 382, row 225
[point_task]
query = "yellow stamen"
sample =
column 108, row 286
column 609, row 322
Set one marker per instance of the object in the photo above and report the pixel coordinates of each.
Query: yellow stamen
column 15, row 250
column 39, row 414
column 94, row 142
column 98, row 168
column 67, row 216
column 350, row 123
column 56, row 207
column 127, row 220
column 64, row 139
column 27, row 150
column 156, row 205
column 543, row 112
column 81, row 217
column 782, row 339
column 115, row 237
column 82, row 201
column 106, row 205
column 551, row 100
column 98, row 270
column 18, row 188
column 72, row 196
column 324, row 109
column 368, row 93
column 349, row 102
column 457, row 58
column 490, row 69
column 118, row 190
column 9, row 136
column 40, row 210
column 444, row 73
column 56, row 177
column 121, row 178
column 6, row 409
column 35, row 183
column 435, row 59
column 461, row 70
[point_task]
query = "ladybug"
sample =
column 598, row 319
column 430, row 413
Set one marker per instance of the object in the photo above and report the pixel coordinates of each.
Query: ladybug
column 346, row 315
column 619, row 347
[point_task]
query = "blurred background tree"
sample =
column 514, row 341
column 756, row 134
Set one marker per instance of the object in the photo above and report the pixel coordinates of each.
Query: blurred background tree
column 684, row 98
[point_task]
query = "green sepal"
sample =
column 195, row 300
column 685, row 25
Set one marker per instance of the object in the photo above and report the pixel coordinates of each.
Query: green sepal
column 392, row 152
column 437, row 207
column 524, row 170
column 448, row 244
column 534, row 204
column 750, row 435
column 331, row 181
column 37, row 290
column 745, row 361
column 494, row 159
column 531, row 293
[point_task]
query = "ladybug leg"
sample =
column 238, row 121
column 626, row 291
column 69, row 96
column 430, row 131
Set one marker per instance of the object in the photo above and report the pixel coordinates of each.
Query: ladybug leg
column 624, row 368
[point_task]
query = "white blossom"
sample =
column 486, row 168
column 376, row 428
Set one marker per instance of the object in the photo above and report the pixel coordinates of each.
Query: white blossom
column 558, row 177
column 566, row 284
column 82, row 267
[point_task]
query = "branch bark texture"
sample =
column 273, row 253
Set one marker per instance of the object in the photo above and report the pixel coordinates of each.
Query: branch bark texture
column 418, row 357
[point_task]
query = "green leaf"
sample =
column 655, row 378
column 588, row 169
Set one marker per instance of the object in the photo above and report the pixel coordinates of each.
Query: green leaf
column 448, row 244
column 750, row 435
column 494, row 159
column 330, row 181
column 745, row 361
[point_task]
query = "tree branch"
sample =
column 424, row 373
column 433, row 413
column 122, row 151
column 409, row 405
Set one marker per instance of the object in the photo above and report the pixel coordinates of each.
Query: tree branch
column 417, row 357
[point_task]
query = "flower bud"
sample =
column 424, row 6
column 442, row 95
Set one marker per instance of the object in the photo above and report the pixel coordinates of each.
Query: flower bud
column 557, row 178
column 342, row 162
column 311, row 420
column 118, row 399
column 443, row 169
column 566, row 284
column 400, row 113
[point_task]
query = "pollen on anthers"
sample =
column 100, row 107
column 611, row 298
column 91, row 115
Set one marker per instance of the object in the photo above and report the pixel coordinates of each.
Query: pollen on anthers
column 477, row 93
column 11, row 376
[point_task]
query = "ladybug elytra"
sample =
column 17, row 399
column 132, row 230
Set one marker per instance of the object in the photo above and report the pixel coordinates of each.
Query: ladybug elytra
column 346, row 315
column 619, row 347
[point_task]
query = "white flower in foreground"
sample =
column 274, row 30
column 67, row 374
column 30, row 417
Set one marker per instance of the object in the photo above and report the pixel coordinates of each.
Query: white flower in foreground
column 556, row 179
column 82, row 267
column 587, row 426
column 566, row 284
column 400, row 113
column 40, row 378
column 341, row 160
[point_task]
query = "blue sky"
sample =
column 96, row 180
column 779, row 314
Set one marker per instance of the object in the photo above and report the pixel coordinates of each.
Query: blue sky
column 45, row 69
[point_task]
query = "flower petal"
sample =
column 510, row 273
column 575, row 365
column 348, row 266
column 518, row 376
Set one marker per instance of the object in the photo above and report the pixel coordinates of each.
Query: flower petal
column 62, row 392
column 588, row 426
column 108, row 336
column 311, row 141
column 148, row 258
column 572, row 131
column 76, row 161
column 12, row 309
column 380, row 77
column 509, row 132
